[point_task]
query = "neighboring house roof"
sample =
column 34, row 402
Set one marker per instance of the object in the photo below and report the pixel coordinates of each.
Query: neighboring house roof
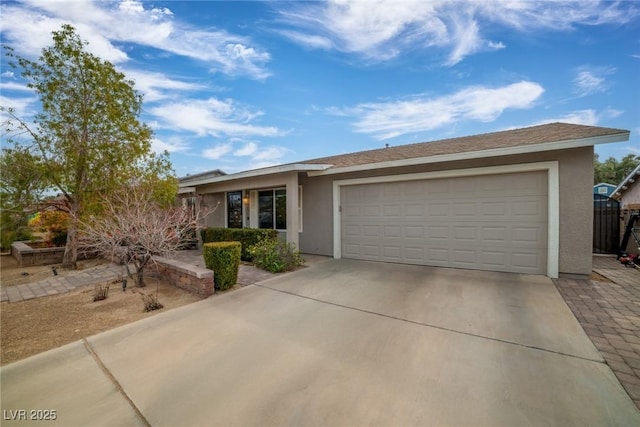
column 608, row 188
column 626, row 183
column 553, row 136
column 185, row 183
column 208, row 174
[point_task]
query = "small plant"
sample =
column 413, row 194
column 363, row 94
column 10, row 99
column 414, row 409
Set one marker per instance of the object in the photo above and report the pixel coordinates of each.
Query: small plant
column 275, row 256
column 100, row 291
column 151, row 302
column 224, row 259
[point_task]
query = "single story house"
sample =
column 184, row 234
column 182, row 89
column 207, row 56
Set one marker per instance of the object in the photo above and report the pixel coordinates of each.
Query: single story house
column 516, row 201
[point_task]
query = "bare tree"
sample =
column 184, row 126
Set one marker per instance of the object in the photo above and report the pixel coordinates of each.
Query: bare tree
column 133, row 227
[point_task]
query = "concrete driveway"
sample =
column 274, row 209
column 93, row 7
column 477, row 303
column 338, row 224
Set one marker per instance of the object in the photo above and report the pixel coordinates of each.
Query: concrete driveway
column 340, row 343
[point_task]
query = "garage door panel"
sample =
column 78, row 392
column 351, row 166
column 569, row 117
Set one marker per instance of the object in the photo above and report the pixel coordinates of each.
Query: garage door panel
column 525, row 260
column 414, row 231
column 437, row 256
column 414, row 253
column 371, row 251
column 494, row 234
column 351, row 212
column 465, row 209
column 414, row 209
column 392, row 210
column 373, row 211
column 438, row 232
column 493, row 208
column 496, row 222
column 393, row 191
column 528, row 208
column 352, row 230
column 393, row 252
column 526, row 235
column 463, row 187
column 436, row 209
column 352, row 250
column 437, row 187
column 465, row 233
column 465, row 256
column 496, row 259
column 371, row 231
column 413, row 188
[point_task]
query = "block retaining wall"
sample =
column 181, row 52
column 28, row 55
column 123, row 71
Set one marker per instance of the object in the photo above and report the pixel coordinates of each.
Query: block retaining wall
column 28, row 256
column 196, row 280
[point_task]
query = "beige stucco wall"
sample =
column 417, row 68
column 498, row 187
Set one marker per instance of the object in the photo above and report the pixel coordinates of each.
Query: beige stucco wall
column 576, row 203
column 317, row 213
column 214, row 205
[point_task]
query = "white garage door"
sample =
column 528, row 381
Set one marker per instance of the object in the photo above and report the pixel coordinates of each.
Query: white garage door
column 490, row 222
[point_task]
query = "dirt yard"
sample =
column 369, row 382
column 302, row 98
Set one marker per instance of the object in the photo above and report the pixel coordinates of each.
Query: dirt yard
column 40, row 324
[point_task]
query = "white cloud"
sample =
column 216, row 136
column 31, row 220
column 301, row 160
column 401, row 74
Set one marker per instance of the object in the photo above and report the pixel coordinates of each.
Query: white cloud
column 235, row 155
column 264, row 157
column 15, row 86
column 247, row 150
column 23, row 107
column 173, row 145
column 8, row 75
column 270, row 154
column 592, row 80
column 379, row 31
column 311, row 41
column 157, row 86
column 253, row 156
column 390, row 119
column 211, row 117
column 27, row 27
column 632, row 150
column 587, row 117
column 218, row 151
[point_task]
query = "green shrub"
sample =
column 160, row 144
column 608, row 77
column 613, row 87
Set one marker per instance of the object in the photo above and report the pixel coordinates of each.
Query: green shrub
column 12, row 230
column 224, row 259
column 246, row 236
column 275, row 256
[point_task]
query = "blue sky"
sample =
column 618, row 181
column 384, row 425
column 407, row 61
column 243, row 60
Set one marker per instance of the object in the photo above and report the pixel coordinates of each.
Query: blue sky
column 241, row 85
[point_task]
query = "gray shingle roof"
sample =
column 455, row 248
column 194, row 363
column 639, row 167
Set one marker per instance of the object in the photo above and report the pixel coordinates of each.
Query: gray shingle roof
column 553, row 132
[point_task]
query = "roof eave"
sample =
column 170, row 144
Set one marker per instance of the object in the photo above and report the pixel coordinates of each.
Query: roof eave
column 292, row 167
column 496, row 152
column 617, row 192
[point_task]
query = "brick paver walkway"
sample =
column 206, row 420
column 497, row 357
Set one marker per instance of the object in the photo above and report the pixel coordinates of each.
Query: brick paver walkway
column 610, row 315
column 61, row 284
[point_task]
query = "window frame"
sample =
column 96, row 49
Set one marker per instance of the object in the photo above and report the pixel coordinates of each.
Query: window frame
column 274, row 197
column 228, row 200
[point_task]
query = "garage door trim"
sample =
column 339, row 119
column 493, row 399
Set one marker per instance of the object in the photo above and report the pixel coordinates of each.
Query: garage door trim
column 553, row 203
